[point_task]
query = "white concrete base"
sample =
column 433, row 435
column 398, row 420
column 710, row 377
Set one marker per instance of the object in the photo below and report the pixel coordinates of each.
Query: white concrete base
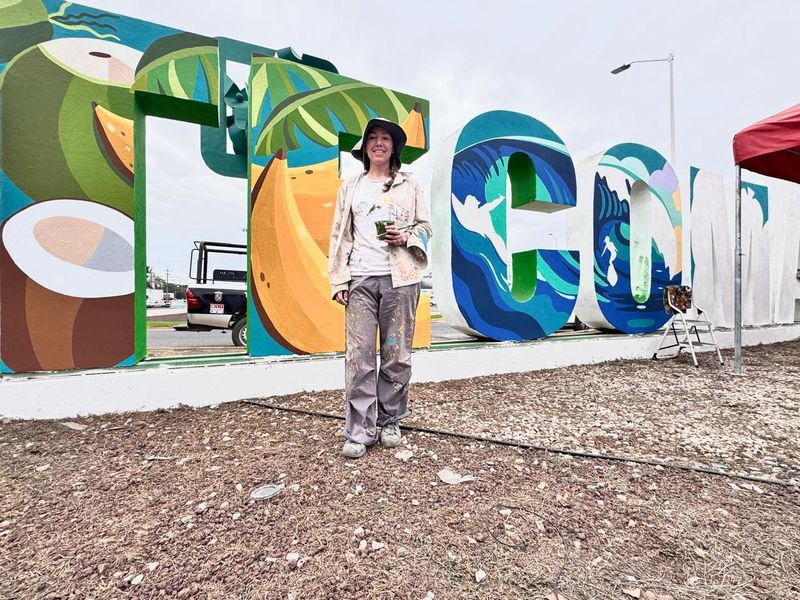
column 62, row 395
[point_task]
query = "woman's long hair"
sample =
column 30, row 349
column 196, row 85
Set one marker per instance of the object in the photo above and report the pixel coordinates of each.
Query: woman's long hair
column 393, row 170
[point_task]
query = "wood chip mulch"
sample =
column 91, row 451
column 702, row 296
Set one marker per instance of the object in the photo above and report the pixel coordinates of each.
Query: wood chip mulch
column 156, row 505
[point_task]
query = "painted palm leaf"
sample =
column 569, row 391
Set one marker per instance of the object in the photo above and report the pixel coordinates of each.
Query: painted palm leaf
column 322, row 113
column 190, row 74
column 285, row 79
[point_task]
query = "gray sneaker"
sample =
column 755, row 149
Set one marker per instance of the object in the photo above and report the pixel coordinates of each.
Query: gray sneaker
column 353, row 449
column 390, row 435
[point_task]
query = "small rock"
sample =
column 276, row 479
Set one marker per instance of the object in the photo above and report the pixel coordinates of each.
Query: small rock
column 362, row 545
column 449, row 476
column 633, row 592
column 74, row 426
column 377, row 546
column 42, row 468
column 415, row 503
column 236, row 516
column 239, row 487
column 201, row 508
column 292, row 558
column 157, row 457
column 137, row 579
column 152, row 566
column 359, row 533
column 505, row 511
column 480, row 575
column 404, row 455
column 224, row 505
column 186, row 519
column 402, row 551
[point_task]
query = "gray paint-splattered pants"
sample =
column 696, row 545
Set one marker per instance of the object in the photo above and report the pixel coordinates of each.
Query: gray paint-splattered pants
column 377, row 397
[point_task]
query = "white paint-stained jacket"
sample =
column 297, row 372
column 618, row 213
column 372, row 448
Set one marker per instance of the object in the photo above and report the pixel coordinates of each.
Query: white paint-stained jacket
column 405, row 262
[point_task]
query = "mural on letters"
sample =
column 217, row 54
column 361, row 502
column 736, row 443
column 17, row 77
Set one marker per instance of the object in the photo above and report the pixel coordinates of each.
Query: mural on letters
column 69, row 156
column 76, row 84
column 482, row 287
column 302, row 118
column 636, row 239
column 72, row 203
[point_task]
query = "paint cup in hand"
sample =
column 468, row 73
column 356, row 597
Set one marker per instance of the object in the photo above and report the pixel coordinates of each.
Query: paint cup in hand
column 380, row 228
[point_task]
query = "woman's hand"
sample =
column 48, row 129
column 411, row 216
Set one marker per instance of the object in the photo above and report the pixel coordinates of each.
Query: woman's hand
column 394, row 237
column 342, row 297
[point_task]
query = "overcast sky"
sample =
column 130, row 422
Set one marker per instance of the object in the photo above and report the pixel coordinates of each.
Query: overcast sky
column 735, row 62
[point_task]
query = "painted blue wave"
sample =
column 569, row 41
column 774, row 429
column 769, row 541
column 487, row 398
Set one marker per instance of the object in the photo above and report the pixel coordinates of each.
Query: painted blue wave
column 473, row 167
column 488, row 306
column 612, row 219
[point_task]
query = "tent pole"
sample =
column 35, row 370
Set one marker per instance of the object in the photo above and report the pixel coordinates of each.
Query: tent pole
column 737, row 279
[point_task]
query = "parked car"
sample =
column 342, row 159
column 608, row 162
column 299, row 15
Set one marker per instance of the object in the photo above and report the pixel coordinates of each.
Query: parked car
column 218, row 300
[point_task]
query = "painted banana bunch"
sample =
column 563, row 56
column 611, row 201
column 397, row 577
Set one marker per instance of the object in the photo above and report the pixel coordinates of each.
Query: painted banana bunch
column 289, row 269
column 289, row 277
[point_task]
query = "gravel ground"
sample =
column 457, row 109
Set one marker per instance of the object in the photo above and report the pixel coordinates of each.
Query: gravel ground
column 157, row 504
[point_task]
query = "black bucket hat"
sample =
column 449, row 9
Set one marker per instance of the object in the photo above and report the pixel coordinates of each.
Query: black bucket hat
column 398, row 142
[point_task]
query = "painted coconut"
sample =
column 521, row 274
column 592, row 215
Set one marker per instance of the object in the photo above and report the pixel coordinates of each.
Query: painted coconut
column 70, row 99
column 66, row 295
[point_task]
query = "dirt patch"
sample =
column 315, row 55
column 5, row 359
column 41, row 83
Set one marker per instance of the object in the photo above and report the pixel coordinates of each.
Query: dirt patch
column 666, row 410
column 157, row 504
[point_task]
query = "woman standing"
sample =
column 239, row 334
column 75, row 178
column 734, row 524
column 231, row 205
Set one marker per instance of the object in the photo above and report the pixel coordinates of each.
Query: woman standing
column 376, row 276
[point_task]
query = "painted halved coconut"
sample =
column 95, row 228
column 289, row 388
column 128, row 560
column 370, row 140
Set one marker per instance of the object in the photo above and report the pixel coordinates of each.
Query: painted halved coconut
column 66, row 295
column 73, row 247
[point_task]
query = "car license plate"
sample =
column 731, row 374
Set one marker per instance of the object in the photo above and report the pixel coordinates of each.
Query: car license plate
column 217, row 309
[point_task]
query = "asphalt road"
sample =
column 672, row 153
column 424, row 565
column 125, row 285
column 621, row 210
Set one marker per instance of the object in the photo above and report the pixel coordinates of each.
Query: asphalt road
column 169, row 339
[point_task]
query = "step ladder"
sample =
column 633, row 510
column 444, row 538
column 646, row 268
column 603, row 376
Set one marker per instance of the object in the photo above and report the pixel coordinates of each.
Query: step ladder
column 685, row 329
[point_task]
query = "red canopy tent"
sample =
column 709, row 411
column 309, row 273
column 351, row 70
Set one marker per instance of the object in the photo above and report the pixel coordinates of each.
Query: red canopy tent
column 770, row 147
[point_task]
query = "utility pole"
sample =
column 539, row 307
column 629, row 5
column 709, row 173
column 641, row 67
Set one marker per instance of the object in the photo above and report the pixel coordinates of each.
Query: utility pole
column 166, row 285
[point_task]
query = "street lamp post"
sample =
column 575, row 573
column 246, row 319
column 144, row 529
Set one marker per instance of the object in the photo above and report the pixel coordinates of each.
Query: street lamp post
column 669, row 60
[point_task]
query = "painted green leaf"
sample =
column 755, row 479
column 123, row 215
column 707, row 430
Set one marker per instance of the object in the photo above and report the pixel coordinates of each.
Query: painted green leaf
column 316, row 112
column 175, row 74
